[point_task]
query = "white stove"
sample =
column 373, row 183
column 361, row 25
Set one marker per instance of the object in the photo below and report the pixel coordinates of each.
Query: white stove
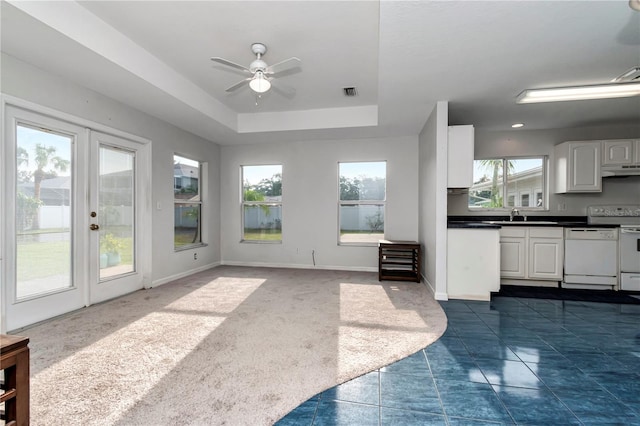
column 628, row 218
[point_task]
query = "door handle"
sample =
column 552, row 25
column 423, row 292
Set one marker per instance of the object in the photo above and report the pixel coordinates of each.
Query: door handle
column 94, row 227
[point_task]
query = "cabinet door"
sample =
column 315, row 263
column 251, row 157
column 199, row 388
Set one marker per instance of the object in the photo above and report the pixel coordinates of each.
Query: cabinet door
column 460, row 157
column 636, row 150
column 512, row 255
column 546, row 258
column 584, row 167
column 617, row 152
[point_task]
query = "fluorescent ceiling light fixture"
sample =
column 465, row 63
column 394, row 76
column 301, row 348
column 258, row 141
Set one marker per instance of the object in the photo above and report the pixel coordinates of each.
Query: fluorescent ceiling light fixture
column 578, row 93
column 517, row 125
column 259, row 83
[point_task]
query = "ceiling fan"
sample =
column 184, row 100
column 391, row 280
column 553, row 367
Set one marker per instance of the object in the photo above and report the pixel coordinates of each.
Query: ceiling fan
column 261, row 73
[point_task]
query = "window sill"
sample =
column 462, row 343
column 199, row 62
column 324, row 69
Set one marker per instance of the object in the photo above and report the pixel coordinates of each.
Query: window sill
column 260, row 242
column 508, row 209
column 372, row 244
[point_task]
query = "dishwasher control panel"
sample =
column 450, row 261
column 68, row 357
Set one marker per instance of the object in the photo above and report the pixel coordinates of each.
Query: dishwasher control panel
column 591, row 234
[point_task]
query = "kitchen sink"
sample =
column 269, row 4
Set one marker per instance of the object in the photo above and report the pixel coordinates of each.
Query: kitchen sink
column 521, row 222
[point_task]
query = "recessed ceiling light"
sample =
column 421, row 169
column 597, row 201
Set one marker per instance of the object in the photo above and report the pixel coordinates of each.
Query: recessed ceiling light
column 517, row 125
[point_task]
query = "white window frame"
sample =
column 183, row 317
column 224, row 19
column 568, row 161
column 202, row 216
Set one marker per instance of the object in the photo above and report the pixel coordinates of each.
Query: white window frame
column 505, row 182
column 202, row 171
column 341, row 202
column 244, row 203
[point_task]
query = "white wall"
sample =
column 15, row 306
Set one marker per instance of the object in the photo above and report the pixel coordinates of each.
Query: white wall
column 541, row 142
column 310, row 200
column 35, row 85
column 432, row 197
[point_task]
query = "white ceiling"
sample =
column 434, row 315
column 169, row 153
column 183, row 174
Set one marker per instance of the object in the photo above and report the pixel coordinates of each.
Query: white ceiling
column 403, row 57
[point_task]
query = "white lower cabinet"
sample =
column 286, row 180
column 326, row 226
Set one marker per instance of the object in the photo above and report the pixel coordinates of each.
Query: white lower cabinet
column 513, row 248
column 531, row 253
column 472, row 263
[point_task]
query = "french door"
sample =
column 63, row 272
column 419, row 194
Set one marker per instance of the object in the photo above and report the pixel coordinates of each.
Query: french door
column 72, row 212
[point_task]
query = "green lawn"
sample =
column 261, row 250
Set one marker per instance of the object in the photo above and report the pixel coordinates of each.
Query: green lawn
column 45, row 259
column 183, row 237
column 262, row 235
column 40, row 260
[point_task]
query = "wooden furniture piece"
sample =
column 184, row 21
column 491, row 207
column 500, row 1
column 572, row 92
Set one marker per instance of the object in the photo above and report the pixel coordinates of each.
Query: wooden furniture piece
column 399, row 261
column 14, row 361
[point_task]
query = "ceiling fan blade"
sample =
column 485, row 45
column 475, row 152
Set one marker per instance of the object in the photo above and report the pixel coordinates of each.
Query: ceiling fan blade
column 237, row 85
column 230, row 64
column 284, row 65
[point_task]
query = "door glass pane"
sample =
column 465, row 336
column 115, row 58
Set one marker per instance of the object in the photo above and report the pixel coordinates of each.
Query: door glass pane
column 43, row 212
column 115, row 211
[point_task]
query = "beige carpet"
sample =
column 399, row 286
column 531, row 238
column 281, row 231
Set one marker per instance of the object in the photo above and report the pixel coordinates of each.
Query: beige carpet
column 232, row 345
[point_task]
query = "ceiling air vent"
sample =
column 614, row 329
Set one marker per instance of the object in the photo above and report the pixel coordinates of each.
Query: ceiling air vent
column 350, row 91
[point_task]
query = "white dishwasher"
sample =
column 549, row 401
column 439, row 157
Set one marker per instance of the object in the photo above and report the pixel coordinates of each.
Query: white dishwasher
column 590, row 258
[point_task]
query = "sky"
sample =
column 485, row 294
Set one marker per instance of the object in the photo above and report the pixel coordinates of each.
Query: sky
column 254, row 174
column 111, row 160
column 519, row 165
column 28, row 138
column 368, row 169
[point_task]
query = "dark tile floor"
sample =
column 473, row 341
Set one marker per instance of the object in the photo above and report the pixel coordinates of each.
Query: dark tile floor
column 508, row 361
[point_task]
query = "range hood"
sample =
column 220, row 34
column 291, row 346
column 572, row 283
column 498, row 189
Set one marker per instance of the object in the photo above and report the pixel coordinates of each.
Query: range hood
column 621, row 170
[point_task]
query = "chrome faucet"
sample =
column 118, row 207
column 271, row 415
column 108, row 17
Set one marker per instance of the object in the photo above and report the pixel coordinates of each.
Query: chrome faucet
column 515, row 212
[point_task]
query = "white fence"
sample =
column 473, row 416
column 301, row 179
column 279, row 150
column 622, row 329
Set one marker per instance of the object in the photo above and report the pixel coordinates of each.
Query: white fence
column 361, row 217
column 352, row 218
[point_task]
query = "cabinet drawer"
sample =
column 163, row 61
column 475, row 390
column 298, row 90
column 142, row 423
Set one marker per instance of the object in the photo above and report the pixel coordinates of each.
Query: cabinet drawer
column 536, row 232
column 514, row 232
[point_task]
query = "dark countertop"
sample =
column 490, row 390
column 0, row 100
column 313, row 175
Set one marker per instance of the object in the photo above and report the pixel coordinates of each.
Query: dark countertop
column 480, row 222
column 472, row 225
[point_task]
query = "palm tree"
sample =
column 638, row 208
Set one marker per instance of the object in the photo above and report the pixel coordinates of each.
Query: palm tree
column 495, row 165
column 22, row 156
column 43, row 158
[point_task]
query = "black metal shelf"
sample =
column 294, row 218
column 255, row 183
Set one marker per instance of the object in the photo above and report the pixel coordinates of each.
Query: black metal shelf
column 399, row 261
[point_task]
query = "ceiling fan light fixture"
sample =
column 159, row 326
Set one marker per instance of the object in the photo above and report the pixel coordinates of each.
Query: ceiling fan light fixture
column 259, row 83
column 577, row 93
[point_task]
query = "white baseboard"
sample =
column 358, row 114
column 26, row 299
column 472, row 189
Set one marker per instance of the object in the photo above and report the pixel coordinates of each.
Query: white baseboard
column 300, row 266
column 432, row 289
column 442, row 296
column 170, row 278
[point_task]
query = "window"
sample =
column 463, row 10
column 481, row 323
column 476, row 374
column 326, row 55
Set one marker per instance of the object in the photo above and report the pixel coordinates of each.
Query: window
column 524, row 178
column 362, row 188
column 262, row 203
column 187, row 201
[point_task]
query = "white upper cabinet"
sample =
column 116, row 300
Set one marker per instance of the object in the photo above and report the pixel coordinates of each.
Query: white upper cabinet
column 577, row 167
column 618, row 152
column 460, row 157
